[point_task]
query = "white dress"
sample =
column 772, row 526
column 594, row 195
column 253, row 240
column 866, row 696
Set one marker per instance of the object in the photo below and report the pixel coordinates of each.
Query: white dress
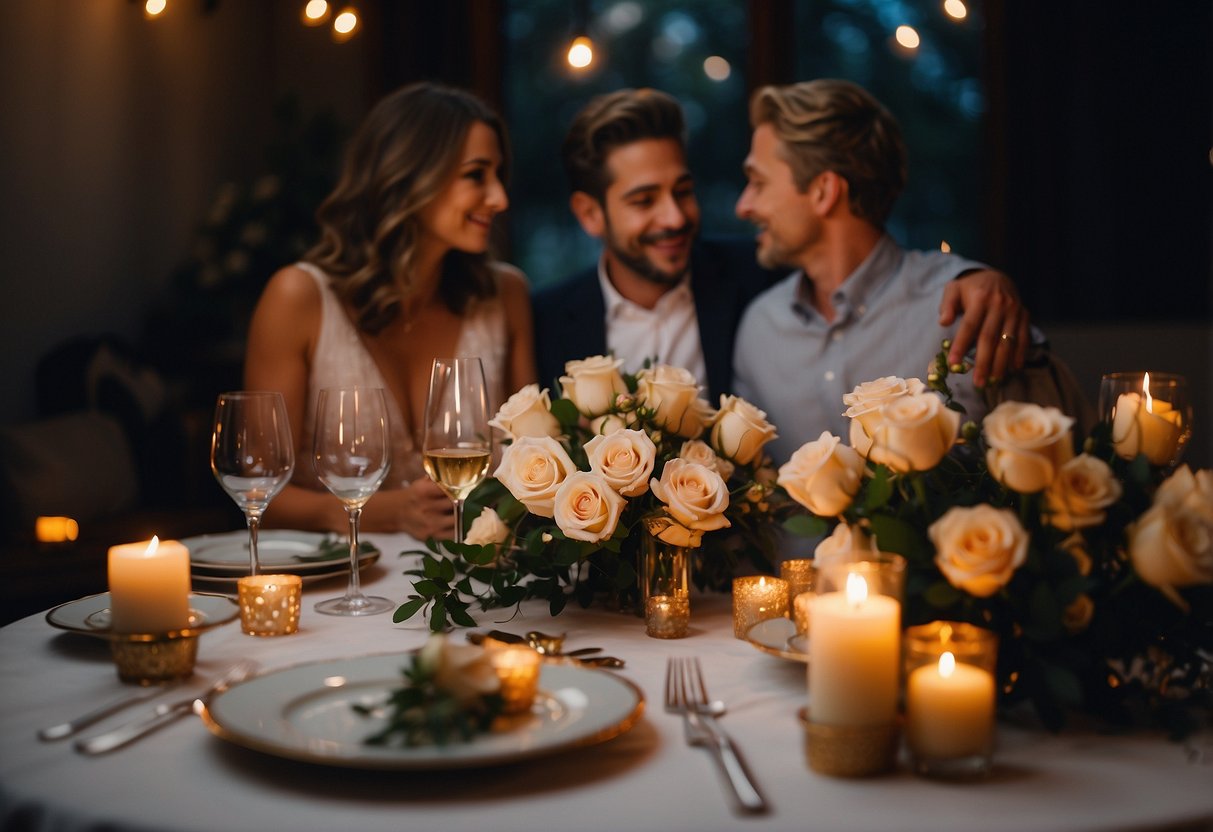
column 342, row 360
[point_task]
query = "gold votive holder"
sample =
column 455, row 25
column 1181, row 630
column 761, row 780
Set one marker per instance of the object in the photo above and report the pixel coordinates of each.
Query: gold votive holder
column 270, row 604
column 148, row 659
column 799, row 573
column 517, row 668
column 951, row 694
column 667, row 616
column 800, row 611
column 849, row 750
column 757, row 598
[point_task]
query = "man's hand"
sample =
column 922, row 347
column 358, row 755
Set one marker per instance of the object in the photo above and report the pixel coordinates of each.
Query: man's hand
column 993, row 317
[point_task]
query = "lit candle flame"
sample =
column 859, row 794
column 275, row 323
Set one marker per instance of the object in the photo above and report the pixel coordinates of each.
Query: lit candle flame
column 1145, row 388
column 152, row 546
column 947, row 665
column 857, row 589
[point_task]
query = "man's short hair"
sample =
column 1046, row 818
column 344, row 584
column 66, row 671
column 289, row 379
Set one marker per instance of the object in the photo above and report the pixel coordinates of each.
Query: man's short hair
column 830, row 124
column 611, row 121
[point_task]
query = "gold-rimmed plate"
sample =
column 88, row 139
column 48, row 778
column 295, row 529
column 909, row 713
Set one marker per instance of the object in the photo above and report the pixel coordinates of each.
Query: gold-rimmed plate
column 778, row 637
column 91, row 615
column 306, row 713
column 285, row 551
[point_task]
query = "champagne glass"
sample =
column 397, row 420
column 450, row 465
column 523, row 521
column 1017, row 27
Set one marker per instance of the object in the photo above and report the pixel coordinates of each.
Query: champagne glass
column 351, row 458
column 252, row 455
column 458, row 444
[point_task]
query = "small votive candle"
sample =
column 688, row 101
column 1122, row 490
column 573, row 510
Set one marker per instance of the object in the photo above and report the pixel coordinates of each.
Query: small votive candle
column 667, row 616
column 56, row 529
column 269, row 604
column 950, row 698
column 517, row 668
column 757, row 598
column 799, row 575
column 800, row 611
column 149, row 586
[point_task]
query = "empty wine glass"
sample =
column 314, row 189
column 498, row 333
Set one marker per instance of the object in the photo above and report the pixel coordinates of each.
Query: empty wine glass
column 351, row 455
column 458, row 444
column 252, row 455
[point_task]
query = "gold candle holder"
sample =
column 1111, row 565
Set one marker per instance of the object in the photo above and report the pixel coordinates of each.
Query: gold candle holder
column 148, row 659
column 757, row 598
column 849, row 750
column 517, row 668
column 270, row 604
column 799, row 574
column 800, row 611
column 950, row 698
column 667, row 616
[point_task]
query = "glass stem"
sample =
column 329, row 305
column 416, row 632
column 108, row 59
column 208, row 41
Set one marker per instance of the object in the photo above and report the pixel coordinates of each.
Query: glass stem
column 355, row 588
column 458, row 521
column 254, row 526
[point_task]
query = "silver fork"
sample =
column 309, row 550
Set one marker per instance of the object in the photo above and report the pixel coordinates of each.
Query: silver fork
column 686, row 694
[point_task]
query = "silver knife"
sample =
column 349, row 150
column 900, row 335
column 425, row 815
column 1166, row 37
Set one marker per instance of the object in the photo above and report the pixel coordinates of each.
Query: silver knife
column 162, row 715
column 66, row 729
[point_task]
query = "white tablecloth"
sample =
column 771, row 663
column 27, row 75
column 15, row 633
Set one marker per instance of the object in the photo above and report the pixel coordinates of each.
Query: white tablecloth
column 182, row 778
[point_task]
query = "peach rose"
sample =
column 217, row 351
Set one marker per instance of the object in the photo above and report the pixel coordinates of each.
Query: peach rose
column 915, row 432
column 695, row 496
column 587, row 508
column 864, row 403
column 1028, row 444
column 532, row 469
column 487, row 528
column 462, row 670
column 1171, row 544
column 669, row 392
column 739, row 430
column 846, row 543
column 823, row 475
column 592, row 384
column 625, row 459
column 978, row 549
column 527, row 413
column 696, row 450
column 1083, row 488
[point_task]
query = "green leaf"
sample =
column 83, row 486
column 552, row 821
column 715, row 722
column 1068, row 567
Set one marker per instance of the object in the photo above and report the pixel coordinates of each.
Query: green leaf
column 408, row 609
column 879, row 490
column 1063, row 684
column 428, row 588
column 431, row 568
column 438, row 616
column 565, row 412
column 806, row 525
column 896, row 535
column 941, row 595
column 446, row 570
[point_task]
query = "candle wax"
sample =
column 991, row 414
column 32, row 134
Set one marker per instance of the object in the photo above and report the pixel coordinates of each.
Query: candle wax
column 149, row 587
column 854, row 659
column 950, row 716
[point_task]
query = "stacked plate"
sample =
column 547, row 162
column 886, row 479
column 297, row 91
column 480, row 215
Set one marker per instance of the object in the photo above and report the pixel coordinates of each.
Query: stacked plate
column 223, row 558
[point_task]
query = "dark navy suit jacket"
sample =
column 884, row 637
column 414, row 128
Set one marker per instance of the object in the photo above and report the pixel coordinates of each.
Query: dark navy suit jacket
column 570, row 316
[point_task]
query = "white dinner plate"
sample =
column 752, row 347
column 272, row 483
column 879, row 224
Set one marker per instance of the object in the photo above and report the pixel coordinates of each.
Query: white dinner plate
column 232, row 581
column 306, row 713
column 278, row 550
column 91, row 615
column 778, row 637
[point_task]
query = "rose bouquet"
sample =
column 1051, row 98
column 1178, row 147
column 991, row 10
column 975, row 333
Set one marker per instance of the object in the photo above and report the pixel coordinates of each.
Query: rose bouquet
column 585, row 477
column 1095, row 571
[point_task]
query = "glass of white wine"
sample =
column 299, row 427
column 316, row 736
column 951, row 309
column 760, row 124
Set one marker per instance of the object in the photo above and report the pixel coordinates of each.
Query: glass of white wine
column 458, row 443
column 351, row 456
column 252, row 455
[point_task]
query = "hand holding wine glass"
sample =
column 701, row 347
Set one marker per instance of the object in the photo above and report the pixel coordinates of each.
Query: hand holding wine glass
column 252, row 455
column 458, row 444
column 351, row 455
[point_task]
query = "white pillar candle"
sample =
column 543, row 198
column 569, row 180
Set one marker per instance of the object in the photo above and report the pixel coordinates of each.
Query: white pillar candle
column 949, row 709
column 149, row 586
column 854, row 656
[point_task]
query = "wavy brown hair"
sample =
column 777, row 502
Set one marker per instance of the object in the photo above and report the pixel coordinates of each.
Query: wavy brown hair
column 401, row 158
column 830, row 124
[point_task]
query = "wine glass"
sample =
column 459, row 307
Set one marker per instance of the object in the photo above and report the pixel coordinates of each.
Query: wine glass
column 252, row 455
column 1150, row 414
column 351, row 458
column 458, row 445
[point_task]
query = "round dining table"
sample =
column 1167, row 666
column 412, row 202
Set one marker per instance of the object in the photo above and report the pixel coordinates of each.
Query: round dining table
column 183, row 777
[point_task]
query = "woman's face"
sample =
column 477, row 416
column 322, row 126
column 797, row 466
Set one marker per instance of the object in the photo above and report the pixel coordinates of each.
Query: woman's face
column 460, row 216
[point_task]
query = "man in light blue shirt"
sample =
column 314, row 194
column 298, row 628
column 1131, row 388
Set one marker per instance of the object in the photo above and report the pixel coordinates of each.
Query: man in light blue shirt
column 826, row 164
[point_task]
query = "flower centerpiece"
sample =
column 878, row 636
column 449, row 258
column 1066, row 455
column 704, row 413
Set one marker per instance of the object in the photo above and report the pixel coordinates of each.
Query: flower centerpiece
column 1095, row 572
column 586, row 477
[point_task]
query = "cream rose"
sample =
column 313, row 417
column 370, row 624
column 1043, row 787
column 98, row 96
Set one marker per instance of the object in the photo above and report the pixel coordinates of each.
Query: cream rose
column 487, row 528
column 846, row 543
column 1028, row 444
column 624, row 459
column 1171, row 545
column 1082, row 489
column 694, row 495
column 864, row 403
column 978, row 549
column 739, row 430
column 696, row 420
column 587, row 508
column 609, row 423
column 915, row 432
column 593, row 383
column 669, row 392
column 532, row 469
column 462, row 670
column 696, row 450
column 823, row 475
column 1156, row 429
column 527, row 413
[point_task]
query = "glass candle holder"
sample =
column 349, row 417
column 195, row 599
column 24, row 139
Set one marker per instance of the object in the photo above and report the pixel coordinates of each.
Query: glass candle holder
column 517, row 668
column 1150, row 414
column 270, row 604
column 757, row 598
column 799, row 575
column 800, row 611
column 950, row 698
column 667, row 616
column 854, row 671
column 149, row 659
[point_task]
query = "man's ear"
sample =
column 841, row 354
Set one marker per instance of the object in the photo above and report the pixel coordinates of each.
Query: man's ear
column 829, row 191
column 588, row 212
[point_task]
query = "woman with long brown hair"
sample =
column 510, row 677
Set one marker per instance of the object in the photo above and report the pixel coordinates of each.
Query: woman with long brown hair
column 401, row 275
